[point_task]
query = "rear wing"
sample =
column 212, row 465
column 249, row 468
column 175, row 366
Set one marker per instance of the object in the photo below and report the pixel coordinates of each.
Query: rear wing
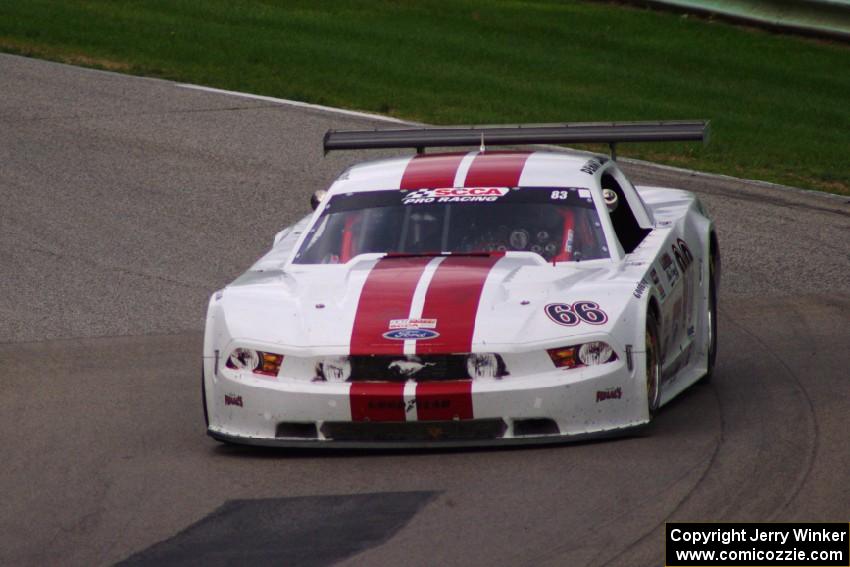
column 610, row 133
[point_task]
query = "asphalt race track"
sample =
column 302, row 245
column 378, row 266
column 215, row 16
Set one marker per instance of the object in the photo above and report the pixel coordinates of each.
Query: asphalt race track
column 126, row 202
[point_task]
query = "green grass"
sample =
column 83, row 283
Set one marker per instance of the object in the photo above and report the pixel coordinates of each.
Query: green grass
column 780, row 106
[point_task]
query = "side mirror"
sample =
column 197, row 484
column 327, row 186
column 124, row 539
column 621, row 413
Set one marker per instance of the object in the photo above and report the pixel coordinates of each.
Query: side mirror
column 317, row 198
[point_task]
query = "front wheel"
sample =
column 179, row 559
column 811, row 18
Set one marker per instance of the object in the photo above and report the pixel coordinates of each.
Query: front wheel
column 653, row 365
column 711, row 316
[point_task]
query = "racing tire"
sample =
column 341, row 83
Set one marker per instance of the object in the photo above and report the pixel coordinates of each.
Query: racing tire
column 204, row 398
column 653, row 365
column 711, row 314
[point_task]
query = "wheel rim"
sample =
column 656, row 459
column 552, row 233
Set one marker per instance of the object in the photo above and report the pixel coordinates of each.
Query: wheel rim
column 712, row 315
column 711, row 326
column 652, row 371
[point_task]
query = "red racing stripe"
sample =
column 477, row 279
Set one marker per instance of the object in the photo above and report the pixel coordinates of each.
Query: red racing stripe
column 438, row 401
column 452, row 299
column 386, row 295
column 496, row 169
column 377, row 401
column 431, row 171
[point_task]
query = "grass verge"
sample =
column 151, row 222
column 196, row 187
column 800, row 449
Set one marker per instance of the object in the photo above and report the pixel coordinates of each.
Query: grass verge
column 780, row 106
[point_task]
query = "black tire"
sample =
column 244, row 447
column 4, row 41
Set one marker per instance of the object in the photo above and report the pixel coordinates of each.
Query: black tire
column 653, row 365
column 711, row 313
column 204, row 398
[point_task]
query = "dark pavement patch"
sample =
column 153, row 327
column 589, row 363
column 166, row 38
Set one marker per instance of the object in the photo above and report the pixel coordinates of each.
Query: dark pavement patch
column 303, row 531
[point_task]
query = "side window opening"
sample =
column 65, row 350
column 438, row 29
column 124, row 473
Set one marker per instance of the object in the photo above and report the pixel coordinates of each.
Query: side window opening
column 629, row 232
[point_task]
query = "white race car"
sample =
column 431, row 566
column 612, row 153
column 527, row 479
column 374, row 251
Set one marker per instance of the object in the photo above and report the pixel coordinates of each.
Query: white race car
column 480, row 297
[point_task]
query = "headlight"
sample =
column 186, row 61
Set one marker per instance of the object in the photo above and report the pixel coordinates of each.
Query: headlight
column 587, row 354
column 483, row 365
column 335, row 369
column 258, row 362
column 595, row 353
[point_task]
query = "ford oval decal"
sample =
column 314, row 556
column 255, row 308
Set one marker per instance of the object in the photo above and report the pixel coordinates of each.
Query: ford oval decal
column 411, row 334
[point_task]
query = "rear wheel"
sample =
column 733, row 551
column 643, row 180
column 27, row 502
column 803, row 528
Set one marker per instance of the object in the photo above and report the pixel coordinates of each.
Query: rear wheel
column 204, row 397
column 653, row 365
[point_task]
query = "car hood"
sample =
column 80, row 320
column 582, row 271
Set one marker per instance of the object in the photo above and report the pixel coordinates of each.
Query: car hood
column 416, row 305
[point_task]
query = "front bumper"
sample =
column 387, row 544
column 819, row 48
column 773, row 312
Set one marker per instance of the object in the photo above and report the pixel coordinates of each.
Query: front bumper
column 550, row 407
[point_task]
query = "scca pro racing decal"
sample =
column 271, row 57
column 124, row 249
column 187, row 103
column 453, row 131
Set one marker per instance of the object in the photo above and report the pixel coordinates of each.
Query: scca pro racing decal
column 454, row 195
column 580, row 311
column 413, row 324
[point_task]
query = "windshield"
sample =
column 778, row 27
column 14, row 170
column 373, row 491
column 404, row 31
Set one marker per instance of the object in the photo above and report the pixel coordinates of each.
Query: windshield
column 560, row 224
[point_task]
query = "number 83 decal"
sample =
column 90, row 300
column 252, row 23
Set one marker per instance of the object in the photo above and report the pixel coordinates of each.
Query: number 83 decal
column 580, row 311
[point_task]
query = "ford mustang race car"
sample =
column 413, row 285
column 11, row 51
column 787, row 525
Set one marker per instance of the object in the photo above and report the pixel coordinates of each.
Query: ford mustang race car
column 478, row 297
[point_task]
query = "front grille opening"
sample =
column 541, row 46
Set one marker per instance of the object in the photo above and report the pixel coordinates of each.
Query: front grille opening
column 534, row 427
column 296, row 430
column 422, row 368
column 399, row 369
column 401, row 431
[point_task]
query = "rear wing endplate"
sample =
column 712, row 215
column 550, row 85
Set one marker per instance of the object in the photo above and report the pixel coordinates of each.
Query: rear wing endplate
column 610, row 133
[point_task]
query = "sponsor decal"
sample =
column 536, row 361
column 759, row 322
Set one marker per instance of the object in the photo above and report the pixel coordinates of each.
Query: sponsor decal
column 654, row 275
column 591, row 166
column 571, row 315
column 411, row 335
column 683, row 255
column 385, row 404
column 413, row 324
column 670, row 269
column 428, row 404
column 640, row 289
column 232, row 400
column 609, row 394
column 377, row 401
column 434, row 401
column 444, row 401
column 455, row 195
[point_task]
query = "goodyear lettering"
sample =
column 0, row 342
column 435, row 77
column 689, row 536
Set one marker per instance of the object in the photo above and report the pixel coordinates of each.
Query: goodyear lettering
column 427, row 404
column 640, row 289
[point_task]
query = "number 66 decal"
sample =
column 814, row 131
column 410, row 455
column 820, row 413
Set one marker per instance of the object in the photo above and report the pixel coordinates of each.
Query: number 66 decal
column 571, row 315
